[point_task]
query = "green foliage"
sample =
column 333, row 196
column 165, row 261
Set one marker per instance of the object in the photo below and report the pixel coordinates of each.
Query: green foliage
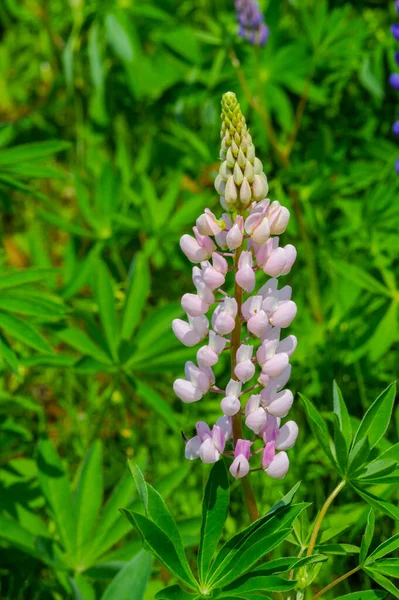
column 108, row 153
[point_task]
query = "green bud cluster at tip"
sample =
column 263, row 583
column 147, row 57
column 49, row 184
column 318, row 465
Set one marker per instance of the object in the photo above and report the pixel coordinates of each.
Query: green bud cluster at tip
column 241, row 179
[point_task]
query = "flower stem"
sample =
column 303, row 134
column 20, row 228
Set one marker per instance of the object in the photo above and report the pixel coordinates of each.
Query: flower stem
column 335, row 582
column 247, row 488
column 321, row 516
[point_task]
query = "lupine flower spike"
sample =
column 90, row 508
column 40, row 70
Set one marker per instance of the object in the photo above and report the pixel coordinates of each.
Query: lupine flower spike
column 251, row 23
column 248, row 322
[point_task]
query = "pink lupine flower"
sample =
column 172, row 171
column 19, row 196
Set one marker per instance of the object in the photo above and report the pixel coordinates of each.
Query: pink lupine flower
column 279, row 217
column 275, row 261
column 191, row 333
column 255, row 414
column 220, row 246
column 245, row 369
column 253, row 313
column 197, row 249
column 245, row 276
column 197, row 382
column 278, row 304
column 209, row 445
column 235, row 235
column 207, row 356
column 277, row 438
column 230, row 404
column 208, row 224
column 223, row 319
column 276, row 403
column 257, row 223
column 214, row 275
column 240, row 465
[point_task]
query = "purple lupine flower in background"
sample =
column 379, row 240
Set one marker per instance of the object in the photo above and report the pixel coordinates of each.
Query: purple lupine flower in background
column 230, row 250
column 251, row 22
column 394, row 77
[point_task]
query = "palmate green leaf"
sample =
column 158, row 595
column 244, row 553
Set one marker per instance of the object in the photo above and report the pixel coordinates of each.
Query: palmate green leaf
column 368, row 595
column 136, row 297
column 14, row 533
column 79, row 340
column 257, row 582
column 32, row 151
column 82, row 588
column 174, row 592
column 242, row 551
column 24, row 332
column 340, row 409
column 65, row 225
column 358, row 455
column 382, row 581
column 319, row 428
column 33, row 307
column 56, row 490
column 11, row 279
column 131, row 581
column 120, row 526
column 340, row 447
column 377, row 469
column 104, row 291
column 160, row 545
column 385, row 548
column 358, row 276
column 7, row 354
column 376, row 420
column 378, row 503
column 215, row 507
column 89, row 494
column 367, row 537
column 155, row 508
column 338, row 549
column 153, row 399
column 387, row 566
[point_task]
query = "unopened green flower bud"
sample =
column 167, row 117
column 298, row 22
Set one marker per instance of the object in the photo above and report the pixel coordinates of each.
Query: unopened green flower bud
column 241, row 179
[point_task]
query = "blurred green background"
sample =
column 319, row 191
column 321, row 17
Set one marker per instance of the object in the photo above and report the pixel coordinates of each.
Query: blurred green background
column 109, row 147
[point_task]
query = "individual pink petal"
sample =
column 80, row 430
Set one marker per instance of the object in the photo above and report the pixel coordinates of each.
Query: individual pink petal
column 275, row 264
column 225, row 424
column 224, row 323
column 252, row 404
column 243, row 447
column 206, row 357
column 244, row 370
column 186, row 391
column 279, row 466
column 290, row 257
column 280, row 405
column 208, row 453
column 284, row 315
column 218, row 438
column 256, row 420
column 192, row 249
column 194, row 305
column 268, row 454
column 276, row 365
column 192, row 448
column 288, row 345
column 234, row 237
column 212, row 278
column 262, row 232
column 287, row 436
column 203, row 430
column 251, row 306
column 258, row 324
column 185, row 333
column 230, row 405
column 205, row 242
column 245, row 278
column 239, row 467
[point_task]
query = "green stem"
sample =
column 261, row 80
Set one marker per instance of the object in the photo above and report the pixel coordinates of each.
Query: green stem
column 321, row 516
column 248, row 492
column 335, row 582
